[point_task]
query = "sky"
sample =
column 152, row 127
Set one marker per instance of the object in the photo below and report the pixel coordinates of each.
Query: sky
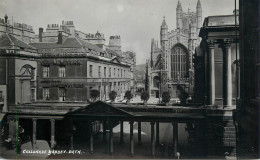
column 136, row 21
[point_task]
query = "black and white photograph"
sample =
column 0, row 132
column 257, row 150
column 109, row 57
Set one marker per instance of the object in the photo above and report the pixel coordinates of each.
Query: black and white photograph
column 129, row 79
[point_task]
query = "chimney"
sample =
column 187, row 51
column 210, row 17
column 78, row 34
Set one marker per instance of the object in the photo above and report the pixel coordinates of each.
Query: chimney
column 40, row 34
column 6, row 18
column 59, row 37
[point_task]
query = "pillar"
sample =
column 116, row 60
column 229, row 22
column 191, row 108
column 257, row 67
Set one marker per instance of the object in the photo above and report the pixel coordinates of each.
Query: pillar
column 175, row 137
column 11, row 128
column 71, row 135
column 111, row 139
column 121, row 131
column 152, row 140
column 228, row 94
column 34, row 132
column 104, row 131
column 131, row 138
column 211, row 73
column 139, row 133
column 157, row 133
column 52, row 133
column 91, row 150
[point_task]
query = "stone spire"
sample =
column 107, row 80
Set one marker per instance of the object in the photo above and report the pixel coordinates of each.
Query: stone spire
column 179, row 15
column 199, row 14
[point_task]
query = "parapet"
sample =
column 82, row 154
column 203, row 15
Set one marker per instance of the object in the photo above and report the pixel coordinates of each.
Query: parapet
column 67, row 23
column 49, row 26
column 115, row 37
column 23, row 26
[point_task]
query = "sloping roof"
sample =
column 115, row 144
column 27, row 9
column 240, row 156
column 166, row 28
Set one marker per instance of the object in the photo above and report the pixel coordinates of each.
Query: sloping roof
column 68, row 43
column 99, row 108
column 7, row 41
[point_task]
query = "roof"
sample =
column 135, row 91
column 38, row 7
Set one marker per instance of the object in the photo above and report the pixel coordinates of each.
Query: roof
column 8, row 41
column 100, row 109
column 68, row 43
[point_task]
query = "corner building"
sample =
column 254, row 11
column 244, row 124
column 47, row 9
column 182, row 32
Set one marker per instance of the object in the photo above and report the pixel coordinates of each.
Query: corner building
column 70, row 67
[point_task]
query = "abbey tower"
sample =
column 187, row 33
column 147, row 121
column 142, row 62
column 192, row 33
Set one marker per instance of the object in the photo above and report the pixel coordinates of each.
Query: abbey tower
column 171, row 64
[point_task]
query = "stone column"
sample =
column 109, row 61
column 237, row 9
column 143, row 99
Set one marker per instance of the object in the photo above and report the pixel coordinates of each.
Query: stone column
column 152, row 140
column 34, row 132
column 157, row 133
column 71, row 135
column 139, row 133
column 111, row 139
column 52, row 133
column 121, row 131
column 175, row 137
column 11, row 128
column 211, row 73
column 228, row 94
column 131, row 138
column 91, row 150
column 104, row 131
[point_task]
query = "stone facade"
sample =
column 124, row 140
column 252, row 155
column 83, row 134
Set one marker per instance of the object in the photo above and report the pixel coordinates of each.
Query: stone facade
column 171, row 64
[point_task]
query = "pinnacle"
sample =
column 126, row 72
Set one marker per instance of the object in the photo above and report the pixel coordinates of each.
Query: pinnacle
column 198, row 3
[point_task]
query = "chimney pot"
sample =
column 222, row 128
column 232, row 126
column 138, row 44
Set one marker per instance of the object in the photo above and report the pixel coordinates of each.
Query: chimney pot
column 40, row 34
column 60, row 37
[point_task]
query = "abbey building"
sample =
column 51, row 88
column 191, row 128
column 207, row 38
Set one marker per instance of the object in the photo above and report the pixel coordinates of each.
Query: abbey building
column 170, row 64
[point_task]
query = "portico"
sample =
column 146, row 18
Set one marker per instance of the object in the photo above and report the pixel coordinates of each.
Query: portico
column 112, row 116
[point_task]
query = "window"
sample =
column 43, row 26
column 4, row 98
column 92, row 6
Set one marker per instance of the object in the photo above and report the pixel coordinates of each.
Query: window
column 105, row 71
column 90, row 71
column 109, row 72
column 33, row 74
column 46, row 94
column 46, row 71
column 62, row 94
column 62, row 71
column 114, row 72
column 99, row 71
column 1, row 96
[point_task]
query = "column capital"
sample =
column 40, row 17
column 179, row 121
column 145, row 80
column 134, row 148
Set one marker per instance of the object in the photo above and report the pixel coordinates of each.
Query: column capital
column 52, row 120
column 227, row 42
column 131, row 122
column 211, row 42
column 34, row 119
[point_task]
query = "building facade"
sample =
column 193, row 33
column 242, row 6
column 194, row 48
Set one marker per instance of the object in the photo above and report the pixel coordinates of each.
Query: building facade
column 170, row 64
column 72, row 63
column 18, row 66
column 216, row 62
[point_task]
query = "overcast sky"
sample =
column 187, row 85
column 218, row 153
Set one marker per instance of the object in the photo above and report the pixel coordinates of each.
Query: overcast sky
column 136, row 21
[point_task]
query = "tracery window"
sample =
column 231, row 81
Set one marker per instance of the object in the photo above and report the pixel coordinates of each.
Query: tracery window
column 179, row 62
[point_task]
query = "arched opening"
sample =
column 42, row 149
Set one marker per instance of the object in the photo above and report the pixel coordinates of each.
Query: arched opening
column 179, row 62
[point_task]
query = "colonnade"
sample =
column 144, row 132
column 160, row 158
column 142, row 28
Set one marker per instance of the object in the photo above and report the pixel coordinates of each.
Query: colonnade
column 226, row 45
column 154, row 136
